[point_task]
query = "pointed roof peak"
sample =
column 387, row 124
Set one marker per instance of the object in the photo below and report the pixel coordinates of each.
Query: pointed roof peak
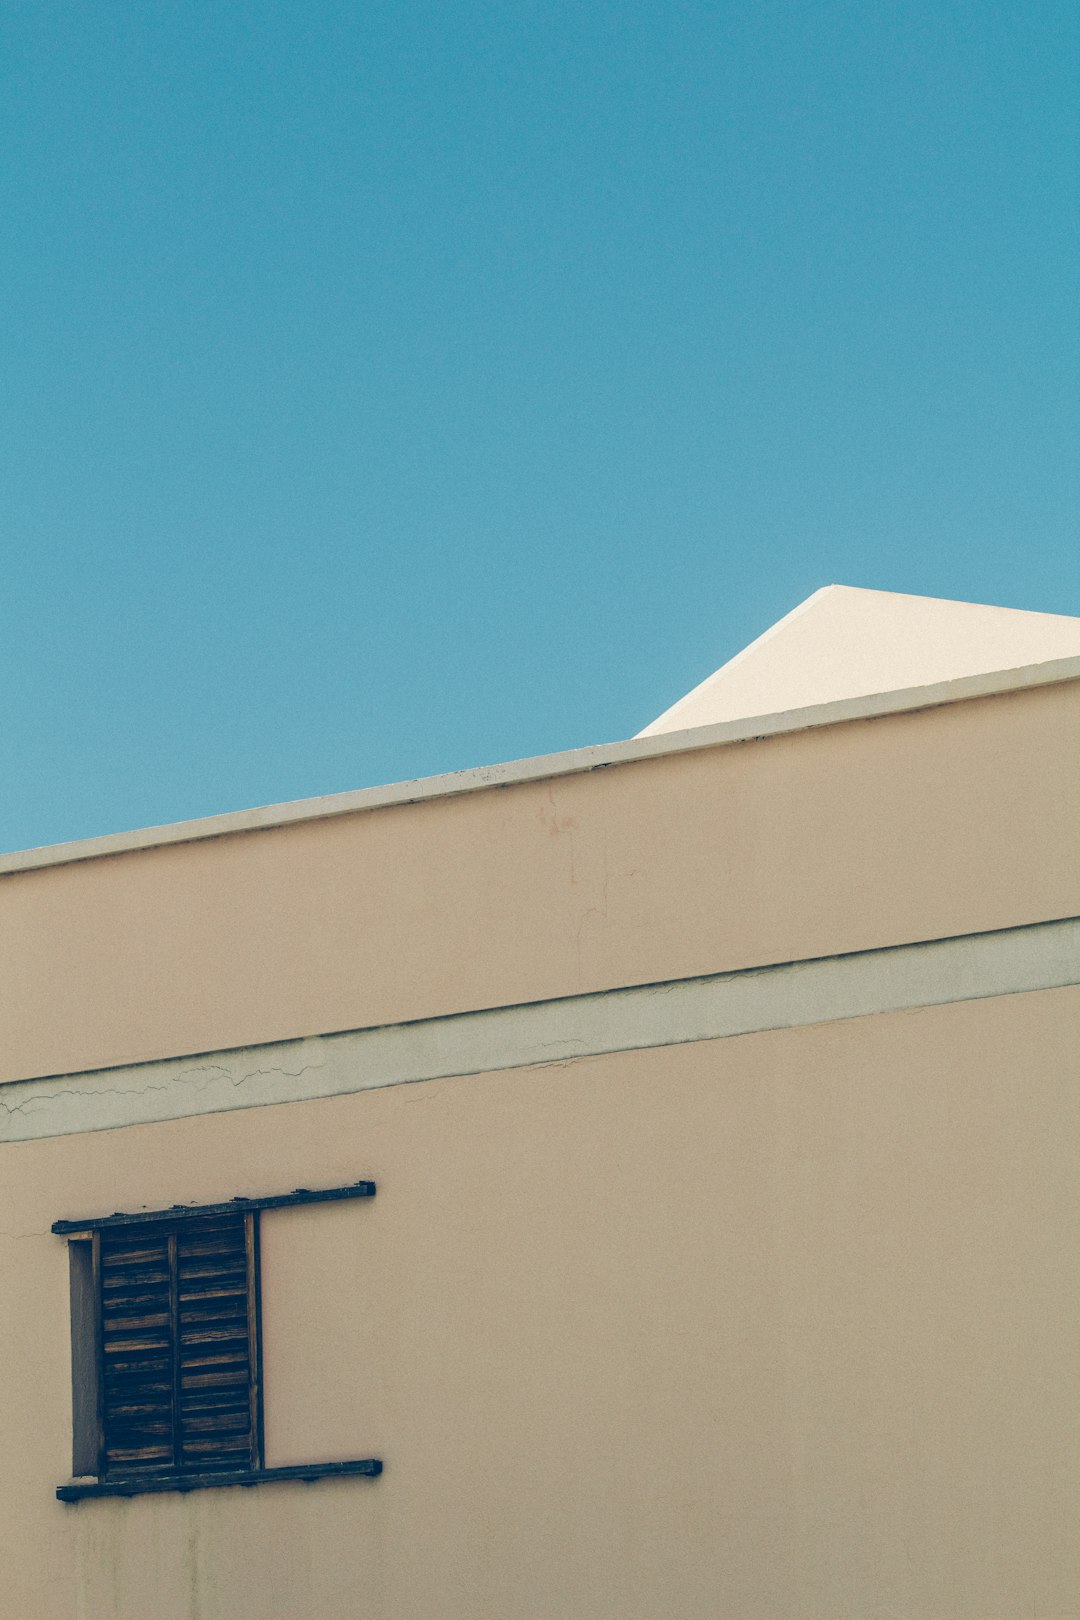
column 846, row 641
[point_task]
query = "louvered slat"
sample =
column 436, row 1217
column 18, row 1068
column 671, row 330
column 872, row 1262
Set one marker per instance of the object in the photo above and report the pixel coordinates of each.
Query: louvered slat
column 136, row 1351
column 177, row 1348
column 214, row 1424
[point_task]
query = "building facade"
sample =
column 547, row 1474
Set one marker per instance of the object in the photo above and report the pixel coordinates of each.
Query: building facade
column 702, row 1113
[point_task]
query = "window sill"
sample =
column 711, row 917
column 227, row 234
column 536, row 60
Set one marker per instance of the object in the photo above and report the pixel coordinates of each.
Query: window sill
column 136, row 1485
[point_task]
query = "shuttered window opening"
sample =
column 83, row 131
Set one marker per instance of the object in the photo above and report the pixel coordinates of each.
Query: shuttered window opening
column 166, row 1349
column 179, row 1346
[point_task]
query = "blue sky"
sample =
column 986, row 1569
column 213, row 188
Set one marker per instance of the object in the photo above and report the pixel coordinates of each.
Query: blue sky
column 387, row 388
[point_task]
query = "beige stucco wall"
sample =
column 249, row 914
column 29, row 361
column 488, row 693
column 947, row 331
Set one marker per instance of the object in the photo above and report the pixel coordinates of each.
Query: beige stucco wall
column 784, row 1325
column 869, row 833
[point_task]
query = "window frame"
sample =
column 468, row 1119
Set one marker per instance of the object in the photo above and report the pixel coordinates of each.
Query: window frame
column 88, row 1373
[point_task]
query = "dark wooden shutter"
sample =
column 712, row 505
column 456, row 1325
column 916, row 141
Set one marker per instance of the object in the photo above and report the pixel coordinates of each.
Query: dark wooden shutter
column 216, row 1361
column 179, row 1334
column 137, row 1349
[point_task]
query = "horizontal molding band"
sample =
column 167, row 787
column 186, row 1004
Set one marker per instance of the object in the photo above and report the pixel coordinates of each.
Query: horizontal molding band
column 1040, row 956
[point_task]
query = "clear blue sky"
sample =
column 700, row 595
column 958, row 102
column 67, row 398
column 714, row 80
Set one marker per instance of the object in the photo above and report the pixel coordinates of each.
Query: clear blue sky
column 389, row 387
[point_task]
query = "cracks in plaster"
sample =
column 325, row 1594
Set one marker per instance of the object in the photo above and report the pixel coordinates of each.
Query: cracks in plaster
column 754, row 1000
column 184, row 1077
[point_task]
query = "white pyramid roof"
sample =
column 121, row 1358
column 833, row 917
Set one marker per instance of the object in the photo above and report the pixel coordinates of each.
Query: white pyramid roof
column 847, row 643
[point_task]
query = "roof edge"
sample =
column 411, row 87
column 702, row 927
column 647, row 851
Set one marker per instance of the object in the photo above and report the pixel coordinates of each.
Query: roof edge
column 737, row 658
column 1054, row 672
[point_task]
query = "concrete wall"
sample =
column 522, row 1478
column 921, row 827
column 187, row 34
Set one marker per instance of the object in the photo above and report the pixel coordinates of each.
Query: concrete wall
column 774, row 1325
column 780, row 1325
column 870, row 833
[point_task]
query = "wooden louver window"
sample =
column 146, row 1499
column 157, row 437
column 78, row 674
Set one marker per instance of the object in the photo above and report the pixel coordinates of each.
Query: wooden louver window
column 166, row 1349
column 178, row 1306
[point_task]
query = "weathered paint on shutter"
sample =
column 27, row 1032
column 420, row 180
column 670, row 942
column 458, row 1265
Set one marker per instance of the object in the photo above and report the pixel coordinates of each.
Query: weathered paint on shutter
column 136, row 1350
column 215, row 1362
column 179, row 1321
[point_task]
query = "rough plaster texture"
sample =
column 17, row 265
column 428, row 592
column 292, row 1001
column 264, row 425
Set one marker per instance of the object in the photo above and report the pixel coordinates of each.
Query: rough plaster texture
column 844, row 643
column 779, row 1326
column 866, row 834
